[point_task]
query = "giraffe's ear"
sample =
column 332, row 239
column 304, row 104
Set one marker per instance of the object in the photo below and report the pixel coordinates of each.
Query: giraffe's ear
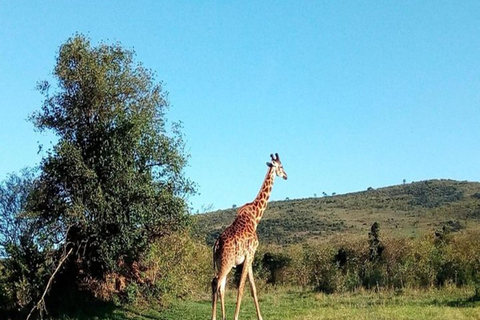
column 269, row 164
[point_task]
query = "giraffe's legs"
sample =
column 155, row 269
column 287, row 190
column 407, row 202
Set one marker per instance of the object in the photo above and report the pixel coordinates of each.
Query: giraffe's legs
column 254, row 291
column 214, row 297
column 221, row 287
column 218, row 291
column 246, row 265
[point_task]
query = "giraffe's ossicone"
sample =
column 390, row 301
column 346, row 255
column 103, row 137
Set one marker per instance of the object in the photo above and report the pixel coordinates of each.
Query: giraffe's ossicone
column 238, row 243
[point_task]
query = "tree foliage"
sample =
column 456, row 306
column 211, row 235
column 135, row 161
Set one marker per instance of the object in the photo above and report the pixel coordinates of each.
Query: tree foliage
column 24, row 261
column 14, row 193
column 375, row 245
column 115, row 179
column 112, row 184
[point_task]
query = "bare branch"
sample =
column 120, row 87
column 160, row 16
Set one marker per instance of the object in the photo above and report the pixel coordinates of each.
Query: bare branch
column 41, row 303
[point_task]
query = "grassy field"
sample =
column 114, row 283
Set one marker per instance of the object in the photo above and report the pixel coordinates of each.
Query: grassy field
column 449, row 303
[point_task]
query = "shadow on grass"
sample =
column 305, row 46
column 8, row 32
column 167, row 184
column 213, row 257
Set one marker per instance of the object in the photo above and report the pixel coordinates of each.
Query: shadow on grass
column 143, row 315
column 472, row 302
column 88, row 307
column 83, row 306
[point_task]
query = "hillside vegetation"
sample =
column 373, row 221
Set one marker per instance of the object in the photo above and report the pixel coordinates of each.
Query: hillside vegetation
column 407, row 210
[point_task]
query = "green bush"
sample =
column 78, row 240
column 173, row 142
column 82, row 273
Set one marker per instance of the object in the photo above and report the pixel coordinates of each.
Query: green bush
column 344, row 264
column 275, row 263
column 324, row 273
column 177, row 267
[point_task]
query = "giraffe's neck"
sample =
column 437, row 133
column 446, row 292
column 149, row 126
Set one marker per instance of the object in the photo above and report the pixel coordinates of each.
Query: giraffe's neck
column 260, row 202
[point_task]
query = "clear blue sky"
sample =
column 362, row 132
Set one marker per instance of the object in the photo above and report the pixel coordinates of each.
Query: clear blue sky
column 351, row 94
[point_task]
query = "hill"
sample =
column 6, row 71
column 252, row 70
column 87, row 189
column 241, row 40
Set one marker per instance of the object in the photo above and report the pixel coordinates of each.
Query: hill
column 403, row 210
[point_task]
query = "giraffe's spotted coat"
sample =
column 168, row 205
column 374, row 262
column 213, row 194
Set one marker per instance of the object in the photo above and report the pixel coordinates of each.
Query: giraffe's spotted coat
column 238, row 242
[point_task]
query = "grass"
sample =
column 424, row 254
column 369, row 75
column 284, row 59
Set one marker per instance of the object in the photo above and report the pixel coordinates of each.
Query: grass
column 296, row 304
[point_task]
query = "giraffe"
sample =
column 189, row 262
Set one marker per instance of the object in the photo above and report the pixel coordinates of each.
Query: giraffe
column 238, row 243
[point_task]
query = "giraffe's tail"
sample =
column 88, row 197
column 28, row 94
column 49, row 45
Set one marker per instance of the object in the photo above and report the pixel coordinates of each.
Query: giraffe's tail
column 215, row 249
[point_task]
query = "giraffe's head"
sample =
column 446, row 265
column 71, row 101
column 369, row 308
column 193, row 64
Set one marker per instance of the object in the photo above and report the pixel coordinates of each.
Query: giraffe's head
column 277, row 167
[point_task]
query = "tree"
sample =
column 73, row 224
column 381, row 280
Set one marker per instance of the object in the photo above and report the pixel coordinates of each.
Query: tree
column 14, row 192
column 24, row 261
column 114, row 181
column 375, row 245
